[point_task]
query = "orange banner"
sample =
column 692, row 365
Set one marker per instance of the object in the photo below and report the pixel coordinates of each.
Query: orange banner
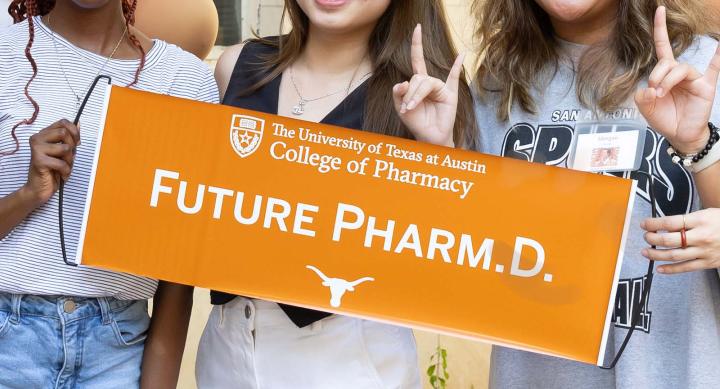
column 356, row 223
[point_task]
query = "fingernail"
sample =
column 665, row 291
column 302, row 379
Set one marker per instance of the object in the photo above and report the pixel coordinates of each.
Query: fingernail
column 645, row 253
column 411, row 105
column 660, row 92
column 403, row 108
column 642, row 225
column 661, row 270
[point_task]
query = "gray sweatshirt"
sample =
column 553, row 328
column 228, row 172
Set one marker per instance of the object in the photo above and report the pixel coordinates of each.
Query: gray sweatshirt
column 676, row 343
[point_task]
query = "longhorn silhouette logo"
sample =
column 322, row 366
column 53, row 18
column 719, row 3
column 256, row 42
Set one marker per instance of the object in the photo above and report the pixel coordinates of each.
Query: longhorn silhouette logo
column 338, row 286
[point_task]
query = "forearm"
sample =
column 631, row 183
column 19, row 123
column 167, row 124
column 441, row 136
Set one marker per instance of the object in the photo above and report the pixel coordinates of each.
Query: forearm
column 708, row 184
column 14, row 208
column 164, row 348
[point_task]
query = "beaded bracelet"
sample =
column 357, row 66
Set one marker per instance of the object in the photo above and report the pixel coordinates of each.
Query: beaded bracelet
column 688, row 160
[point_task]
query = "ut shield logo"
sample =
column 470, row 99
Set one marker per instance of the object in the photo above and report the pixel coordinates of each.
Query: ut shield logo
column 246, row 133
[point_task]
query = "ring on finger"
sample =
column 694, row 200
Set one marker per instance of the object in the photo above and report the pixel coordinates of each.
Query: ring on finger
column 683, row 234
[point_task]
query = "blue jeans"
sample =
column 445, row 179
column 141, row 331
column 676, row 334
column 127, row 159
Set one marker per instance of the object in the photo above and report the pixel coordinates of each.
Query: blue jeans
column 71, row 342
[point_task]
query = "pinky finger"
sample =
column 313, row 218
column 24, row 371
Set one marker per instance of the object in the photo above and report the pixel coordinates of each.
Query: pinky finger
column 685, row 267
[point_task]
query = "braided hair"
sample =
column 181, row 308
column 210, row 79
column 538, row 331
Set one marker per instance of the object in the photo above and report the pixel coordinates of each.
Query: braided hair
column 21, row 10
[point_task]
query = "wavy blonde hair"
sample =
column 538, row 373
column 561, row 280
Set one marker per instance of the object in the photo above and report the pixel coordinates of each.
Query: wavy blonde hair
column 517, row 41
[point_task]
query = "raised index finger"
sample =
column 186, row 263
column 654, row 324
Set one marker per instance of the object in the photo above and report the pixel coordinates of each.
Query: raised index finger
column 663, row 48
column 417, row 57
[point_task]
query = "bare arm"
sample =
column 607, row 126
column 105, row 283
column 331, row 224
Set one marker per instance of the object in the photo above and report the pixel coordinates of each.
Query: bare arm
column 14, row 208
column 165, row 344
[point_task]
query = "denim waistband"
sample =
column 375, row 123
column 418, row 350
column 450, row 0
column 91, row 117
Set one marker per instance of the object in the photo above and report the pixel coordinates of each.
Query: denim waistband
column 67, row 308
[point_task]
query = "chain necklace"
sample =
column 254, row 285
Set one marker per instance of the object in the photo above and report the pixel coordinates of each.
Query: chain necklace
column 78, row 98
column 299, row 108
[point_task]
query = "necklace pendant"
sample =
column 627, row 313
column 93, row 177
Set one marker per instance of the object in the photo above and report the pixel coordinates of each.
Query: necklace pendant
column 299, row 109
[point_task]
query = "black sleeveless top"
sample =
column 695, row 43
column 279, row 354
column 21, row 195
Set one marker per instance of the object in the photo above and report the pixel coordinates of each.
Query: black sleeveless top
column 249, row 70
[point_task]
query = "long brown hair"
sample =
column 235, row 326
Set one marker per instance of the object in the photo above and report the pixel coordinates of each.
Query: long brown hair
column 517, row 42
column 389, row 51
column 21, row 10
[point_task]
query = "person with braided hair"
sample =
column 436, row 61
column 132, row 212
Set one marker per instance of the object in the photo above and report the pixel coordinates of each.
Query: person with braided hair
column 62, row 326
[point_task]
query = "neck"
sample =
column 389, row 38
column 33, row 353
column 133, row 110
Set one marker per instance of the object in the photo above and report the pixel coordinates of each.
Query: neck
column 97, row 29
column 336, row 53
column 587, row 32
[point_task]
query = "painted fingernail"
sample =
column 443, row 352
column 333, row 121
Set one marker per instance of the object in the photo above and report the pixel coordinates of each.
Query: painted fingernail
column 411, row 105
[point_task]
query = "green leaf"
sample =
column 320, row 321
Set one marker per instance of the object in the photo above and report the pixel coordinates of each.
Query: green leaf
column 447, row 375
column 444, row 353
column 431, row 370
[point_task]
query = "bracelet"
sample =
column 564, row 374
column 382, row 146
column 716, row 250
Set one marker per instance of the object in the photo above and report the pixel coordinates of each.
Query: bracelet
column 690, row 160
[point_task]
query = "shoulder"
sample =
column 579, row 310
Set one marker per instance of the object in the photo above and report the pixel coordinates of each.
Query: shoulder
column 227, row 60
column 700, row 52
column 14, row 36
column 226, row 65
column 192, row 77
column 185, row 62
column 249, row 53
column 186, row 66
column 245, row 61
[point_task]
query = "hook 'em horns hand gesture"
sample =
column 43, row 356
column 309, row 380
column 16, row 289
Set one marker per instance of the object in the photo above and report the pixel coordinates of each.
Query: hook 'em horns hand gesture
column 678, row 100
column 427, row 105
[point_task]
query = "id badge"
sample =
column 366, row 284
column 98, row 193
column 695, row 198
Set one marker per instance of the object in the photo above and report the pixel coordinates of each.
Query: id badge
column 608, row 143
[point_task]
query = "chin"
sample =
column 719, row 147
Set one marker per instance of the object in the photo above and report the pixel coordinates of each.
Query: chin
column 91, row 4
column 343, row 15
column 571, row 10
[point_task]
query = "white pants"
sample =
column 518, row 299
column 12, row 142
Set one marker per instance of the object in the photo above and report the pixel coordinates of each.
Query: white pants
column 252, row 344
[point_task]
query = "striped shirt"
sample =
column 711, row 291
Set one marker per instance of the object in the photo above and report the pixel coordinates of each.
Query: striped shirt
column 30, row 257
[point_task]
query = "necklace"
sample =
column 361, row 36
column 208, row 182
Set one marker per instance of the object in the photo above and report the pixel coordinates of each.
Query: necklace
column 299, row 108
column 78, row 98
